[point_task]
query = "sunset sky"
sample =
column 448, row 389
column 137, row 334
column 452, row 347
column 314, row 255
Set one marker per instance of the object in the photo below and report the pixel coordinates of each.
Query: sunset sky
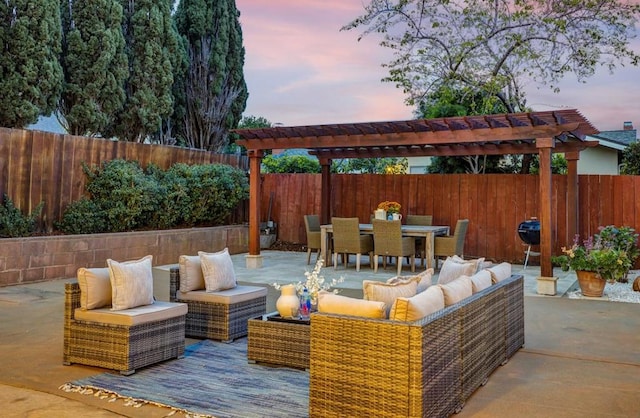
column 301, row 70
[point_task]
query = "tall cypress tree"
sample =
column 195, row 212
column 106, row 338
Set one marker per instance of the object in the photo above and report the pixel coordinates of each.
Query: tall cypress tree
column 95, row 65
column 31, row 76
column 215, row 86
column 150, row 41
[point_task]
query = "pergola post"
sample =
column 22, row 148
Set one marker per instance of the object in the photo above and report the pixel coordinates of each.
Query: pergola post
column 573, row 218
column 325, row 191
column 254, row 259
column 544, row 146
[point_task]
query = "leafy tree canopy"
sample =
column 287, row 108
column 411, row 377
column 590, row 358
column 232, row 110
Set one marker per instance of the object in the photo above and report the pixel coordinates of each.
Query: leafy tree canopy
column 631, row 159
column 371, row 165
column 497, row 46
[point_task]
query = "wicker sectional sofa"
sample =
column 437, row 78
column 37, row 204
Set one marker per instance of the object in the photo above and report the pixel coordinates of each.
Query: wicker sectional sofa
column 428, row 368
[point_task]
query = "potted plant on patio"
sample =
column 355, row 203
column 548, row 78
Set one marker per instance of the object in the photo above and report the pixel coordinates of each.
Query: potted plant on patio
column 595, row 261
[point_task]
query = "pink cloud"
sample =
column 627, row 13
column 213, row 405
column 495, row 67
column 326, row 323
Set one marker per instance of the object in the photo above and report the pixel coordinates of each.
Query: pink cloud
column 301, row 70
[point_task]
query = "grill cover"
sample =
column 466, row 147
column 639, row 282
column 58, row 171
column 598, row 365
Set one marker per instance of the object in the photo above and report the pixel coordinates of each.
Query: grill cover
column 529, row 232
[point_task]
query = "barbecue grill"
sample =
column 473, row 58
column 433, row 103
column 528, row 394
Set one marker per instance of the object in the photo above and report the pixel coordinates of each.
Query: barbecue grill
column 529, row 232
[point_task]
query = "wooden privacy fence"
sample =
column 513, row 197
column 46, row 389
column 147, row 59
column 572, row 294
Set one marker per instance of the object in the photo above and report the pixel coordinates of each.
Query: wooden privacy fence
column 495, row 204
column 46, row 167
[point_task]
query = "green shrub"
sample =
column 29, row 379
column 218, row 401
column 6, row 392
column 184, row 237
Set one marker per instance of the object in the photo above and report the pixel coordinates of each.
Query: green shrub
column 13, row 223
column 83, row 216
column 290, row 164
column 123, row 197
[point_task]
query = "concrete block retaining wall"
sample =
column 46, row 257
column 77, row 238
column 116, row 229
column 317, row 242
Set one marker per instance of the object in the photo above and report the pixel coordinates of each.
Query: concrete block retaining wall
column 37, row 259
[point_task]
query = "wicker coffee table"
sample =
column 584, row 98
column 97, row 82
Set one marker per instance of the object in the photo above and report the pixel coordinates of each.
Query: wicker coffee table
column 278, row 341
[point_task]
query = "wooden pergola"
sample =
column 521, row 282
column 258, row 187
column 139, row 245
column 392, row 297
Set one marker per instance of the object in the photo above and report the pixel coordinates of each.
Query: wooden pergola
column 542, row 133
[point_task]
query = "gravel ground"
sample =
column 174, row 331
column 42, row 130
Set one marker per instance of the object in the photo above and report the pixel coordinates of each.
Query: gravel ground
column 616, row 292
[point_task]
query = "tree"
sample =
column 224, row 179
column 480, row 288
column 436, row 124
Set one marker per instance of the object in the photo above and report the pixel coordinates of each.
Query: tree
column 449, row 102
column 31, row 74
column 631, row 159
column 290, row 164
column 215, row 86
column 94, row 63
column 495, row 47
column 371, row 165
column 150, row 44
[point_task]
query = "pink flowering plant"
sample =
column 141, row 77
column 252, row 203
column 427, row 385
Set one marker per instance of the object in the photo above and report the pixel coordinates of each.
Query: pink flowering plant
column 602, row 254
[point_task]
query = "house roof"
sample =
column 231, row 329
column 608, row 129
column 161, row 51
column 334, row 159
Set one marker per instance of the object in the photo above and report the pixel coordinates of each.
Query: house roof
column 618, row 139
column 513, row 133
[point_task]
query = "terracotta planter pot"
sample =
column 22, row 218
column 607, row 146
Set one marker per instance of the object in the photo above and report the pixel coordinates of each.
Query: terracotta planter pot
column 591, row 283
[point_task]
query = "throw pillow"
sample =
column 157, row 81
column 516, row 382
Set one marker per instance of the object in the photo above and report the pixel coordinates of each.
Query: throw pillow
column 478, row 262
column 418, row 306
column 95, row 288
column 500, row 272
column 451, row 270
column 131, row 283
column 191, row 277
column 337, row 304
column 423, row 279
column 388, row 293
column 456, row 290
column 480, row 281
column 218, row 271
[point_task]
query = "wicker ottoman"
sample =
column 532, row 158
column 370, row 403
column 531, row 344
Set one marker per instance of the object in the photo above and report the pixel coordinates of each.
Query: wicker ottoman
column 279, row 342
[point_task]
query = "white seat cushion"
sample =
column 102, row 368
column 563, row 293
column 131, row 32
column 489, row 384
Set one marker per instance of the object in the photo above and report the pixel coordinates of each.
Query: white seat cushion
column 236, row 295
column 134, row 316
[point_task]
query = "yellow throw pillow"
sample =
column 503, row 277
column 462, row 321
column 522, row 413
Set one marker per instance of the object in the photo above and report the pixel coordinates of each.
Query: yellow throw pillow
column 131, row 283
column 456, row 290
column 388, row 293
column 95, row 287
column 218, row 271
column 418, row 306
column 191, row 277
column 337, row 304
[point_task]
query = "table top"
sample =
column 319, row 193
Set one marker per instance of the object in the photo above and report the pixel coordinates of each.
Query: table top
column 275, row 316
column 404, row 228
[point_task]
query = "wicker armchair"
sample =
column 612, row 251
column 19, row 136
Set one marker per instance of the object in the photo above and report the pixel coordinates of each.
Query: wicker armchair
column 452, row 244
column 219, row 315
column 425, row 220
column 312, row 226
column 389, row 242
column 348, row 240
column 116, row 344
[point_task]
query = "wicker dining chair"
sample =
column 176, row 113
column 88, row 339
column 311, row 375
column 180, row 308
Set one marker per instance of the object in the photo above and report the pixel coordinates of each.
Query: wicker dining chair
column 312, row 226
column 452, row 244
column 389, row 242
column 348, row 240
column 424, row 220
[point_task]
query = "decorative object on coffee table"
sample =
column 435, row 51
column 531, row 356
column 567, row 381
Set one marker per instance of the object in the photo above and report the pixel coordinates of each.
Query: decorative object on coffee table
column 288, row 304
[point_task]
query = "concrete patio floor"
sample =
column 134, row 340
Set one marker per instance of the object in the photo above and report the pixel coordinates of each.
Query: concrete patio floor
column 581, row 357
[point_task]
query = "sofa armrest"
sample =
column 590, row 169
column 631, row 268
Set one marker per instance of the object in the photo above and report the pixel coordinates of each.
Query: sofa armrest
column 174, row 283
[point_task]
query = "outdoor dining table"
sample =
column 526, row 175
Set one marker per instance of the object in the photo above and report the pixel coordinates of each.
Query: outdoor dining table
column 427, row 232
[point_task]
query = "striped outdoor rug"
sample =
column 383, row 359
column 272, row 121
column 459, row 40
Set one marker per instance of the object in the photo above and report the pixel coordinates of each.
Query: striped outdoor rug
column 214, row 379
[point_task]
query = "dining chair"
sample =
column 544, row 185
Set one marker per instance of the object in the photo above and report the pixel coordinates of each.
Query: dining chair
column 424, row 220
column 452, row 244
column 312, row 226
column 389, row 242
column 348, row 240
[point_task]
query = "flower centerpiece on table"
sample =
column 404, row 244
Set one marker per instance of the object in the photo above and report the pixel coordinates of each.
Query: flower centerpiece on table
column 597, row 255
column 314, row 283
column 389, row 206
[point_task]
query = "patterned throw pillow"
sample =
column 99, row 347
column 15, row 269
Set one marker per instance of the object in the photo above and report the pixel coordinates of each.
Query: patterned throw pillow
column 387, row 293
column 218, row 271
column 451, row 270
column 131, row 283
